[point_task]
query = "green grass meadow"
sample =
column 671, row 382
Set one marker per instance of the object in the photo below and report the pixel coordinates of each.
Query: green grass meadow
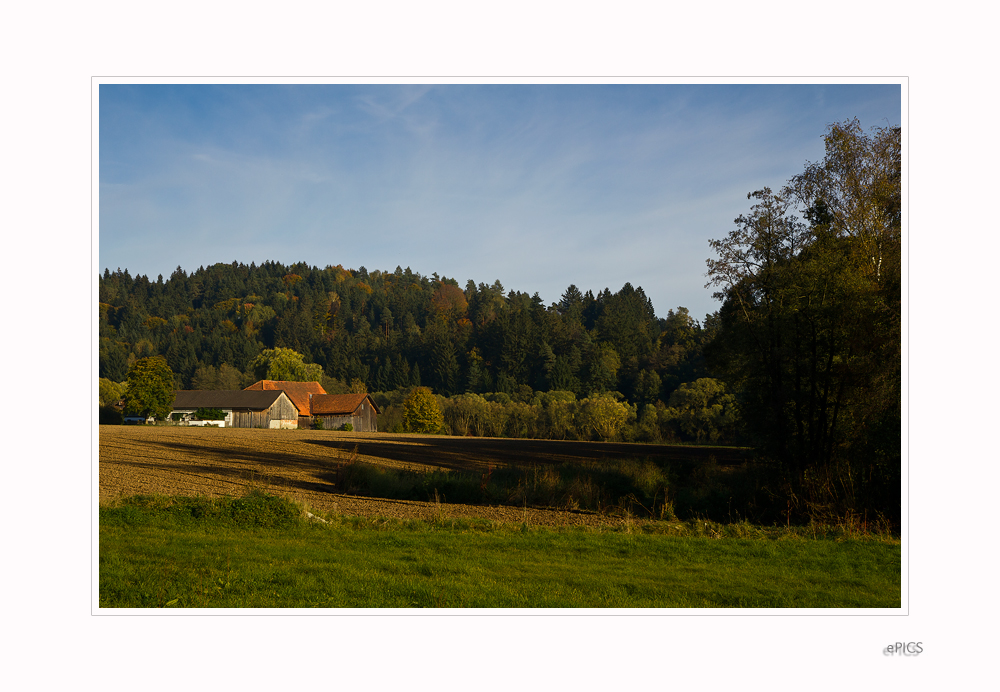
column 259, row 552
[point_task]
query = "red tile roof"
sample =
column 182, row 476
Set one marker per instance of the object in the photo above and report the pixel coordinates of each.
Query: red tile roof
column 339, row 404
column 298, row 392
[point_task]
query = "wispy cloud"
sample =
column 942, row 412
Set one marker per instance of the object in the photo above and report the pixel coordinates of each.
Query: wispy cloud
column 539, row 187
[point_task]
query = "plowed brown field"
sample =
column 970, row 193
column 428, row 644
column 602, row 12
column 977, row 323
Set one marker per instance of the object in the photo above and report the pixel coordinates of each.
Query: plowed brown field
column 303, row 464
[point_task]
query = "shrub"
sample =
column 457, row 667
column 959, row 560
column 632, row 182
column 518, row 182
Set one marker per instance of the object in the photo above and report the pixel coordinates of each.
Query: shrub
column 602, row 414
column 466, row 413
column 262, row 510
column 347, row 427
column 318, row 423
column 521, row 419
column 557, row 418
column 391, row 418
column 254, row 510
column 209, row 414
column 109, row 391
column 701, row 410
column 108, row 415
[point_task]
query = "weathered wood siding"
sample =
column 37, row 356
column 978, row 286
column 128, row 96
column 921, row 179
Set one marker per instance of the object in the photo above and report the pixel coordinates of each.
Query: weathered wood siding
column 364, row 419
column 281, row 409
column 284, row 409
column 251, row 419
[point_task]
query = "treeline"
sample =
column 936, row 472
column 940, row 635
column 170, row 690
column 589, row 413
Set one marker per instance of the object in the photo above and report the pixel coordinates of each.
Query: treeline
column 699, row 412
column 392, row 330
column 802, row 361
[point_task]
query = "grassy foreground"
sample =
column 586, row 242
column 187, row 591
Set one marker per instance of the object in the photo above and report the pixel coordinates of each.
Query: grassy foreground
column 259, row 552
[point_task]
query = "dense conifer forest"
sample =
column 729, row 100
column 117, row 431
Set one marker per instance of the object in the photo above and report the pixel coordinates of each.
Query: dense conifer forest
column 391, row 330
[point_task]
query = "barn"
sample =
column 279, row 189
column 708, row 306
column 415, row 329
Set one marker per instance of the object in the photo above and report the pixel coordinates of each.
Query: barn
column 242, row 409
column 298, row 392
column 337, row 409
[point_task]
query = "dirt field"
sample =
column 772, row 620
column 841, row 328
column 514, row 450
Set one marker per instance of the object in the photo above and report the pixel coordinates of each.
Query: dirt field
column 302, row 464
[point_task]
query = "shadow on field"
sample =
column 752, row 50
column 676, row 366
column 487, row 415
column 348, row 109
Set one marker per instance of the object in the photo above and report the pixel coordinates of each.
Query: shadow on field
column 251, row 466
column 325, row 466
column 467, row 453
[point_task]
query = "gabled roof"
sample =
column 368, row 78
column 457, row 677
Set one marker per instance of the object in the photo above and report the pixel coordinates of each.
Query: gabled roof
column 298, row 392
column 339, row 404
column 199, row 398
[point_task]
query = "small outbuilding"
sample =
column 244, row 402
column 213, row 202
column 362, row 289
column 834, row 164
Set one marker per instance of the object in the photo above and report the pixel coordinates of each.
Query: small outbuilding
column 241, row 409
column 337, row 409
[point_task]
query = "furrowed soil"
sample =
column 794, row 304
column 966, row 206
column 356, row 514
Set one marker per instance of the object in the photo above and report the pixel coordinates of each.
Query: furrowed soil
column 303, row 464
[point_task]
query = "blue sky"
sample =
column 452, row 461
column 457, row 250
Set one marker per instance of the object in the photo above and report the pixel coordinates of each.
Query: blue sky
column 537, row 186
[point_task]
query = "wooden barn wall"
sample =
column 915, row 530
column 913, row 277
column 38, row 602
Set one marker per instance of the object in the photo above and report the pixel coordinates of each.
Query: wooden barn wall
column 364, row 420
column 334, row 422
column 251, row 419
column 282, row 409
column 367, row 419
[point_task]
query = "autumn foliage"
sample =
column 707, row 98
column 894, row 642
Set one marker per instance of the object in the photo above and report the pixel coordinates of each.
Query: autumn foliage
column 449, row 300
column 421, row 412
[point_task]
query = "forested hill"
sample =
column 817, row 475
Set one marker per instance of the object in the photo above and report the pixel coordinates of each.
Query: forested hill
column 397, row 329
column 806, row 350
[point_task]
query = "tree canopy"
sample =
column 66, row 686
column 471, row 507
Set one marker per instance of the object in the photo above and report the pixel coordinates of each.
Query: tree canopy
column 421, row 412
column 228, row 325
column 809, row 331
column 149, row 388
column 285, row 364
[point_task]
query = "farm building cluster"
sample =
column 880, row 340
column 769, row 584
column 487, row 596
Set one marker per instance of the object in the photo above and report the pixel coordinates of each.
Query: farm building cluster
column 278, row 404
